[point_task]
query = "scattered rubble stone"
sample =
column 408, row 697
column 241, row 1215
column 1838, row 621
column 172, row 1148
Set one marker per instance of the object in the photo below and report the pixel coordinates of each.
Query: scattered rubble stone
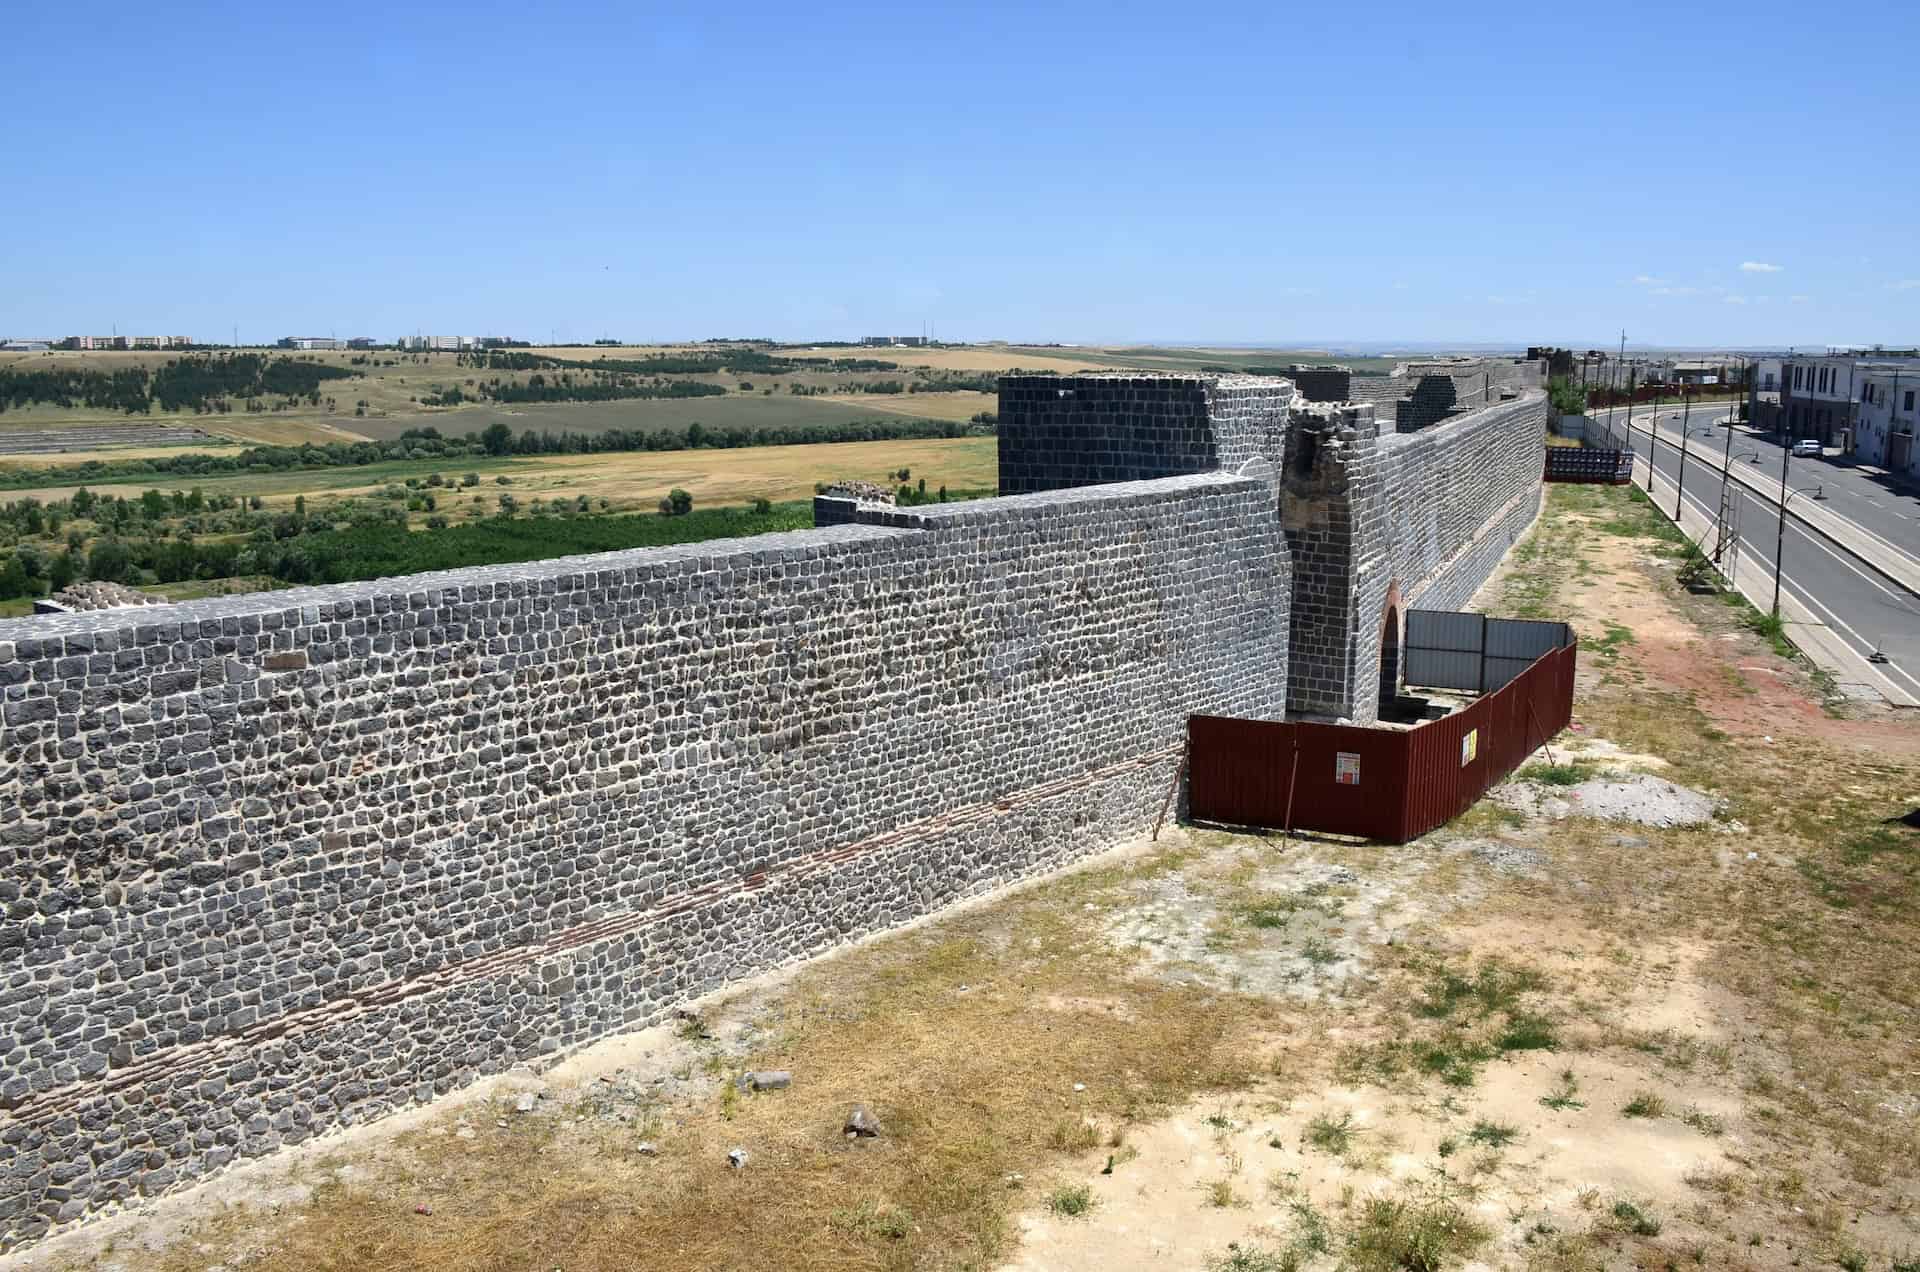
column 97, row 596
column 766, row 1080
column 861, row 1123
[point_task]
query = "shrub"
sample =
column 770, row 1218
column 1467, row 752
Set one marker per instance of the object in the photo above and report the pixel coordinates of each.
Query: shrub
column 1072, row 1202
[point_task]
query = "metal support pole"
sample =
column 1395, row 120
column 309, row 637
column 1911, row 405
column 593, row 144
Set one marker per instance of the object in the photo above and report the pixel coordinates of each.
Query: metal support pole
column 1172, row 786
column 1686, row 418
column 1780, row 531
column 1292, row 777
column 1633, row 378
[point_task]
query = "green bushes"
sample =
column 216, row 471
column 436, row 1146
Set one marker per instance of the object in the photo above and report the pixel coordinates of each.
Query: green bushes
column 384, row 551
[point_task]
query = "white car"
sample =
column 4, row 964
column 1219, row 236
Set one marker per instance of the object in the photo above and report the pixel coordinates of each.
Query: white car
column 1807, row 447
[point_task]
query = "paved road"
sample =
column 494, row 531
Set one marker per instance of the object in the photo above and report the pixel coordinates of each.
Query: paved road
column 1864, row 609
column 1876, row 503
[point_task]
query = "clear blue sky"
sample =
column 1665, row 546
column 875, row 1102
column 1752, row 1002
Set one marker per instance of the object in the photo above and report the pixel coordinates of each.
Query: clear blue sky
column 1264, row 173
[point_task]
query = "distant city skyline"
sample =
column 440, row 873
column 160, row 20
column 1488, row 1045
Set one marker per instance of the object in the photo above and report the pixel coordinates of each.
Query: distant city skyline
column 1241, row 174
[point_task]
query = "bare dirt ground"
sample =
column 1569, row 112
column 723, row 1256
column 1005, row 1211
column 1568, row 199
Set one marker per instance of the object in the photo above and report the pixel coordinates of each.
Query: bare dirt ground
column 1552, row 1036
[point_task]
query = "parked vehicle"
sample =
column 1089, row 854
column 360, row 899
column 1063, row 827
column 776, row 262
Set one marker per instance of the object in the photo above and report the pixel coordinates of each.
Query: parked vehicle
column 1807, row 447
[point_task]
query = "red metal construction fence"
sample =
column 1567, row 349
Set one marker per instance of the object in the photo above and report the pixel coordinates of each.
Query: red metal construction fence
column 1384, row 784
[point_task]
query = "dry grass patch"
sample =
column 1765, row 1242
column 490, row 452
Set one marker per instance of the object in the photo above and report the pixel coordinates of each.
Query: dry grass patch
column 879, row 1025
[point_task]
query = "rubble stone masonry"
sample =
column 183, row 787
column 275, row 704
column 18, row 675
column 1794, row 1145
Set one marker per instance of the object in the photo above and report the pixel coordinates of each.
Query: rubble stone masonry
column 276, row 863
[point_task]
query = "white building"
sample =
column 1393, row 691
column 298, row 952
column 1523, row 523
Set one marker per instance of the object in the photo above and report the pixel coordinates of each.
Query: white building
column 1885, row 417
column 311, row 342
column 1820, row 393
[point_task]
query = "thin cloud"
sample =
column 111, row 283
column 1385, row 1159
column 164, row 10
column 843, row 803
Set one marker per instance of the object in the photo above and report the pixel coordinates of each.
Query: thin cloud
column 1760, row 267
column 1799, row 300
column 1675, row 291
column 1905, row 284
column 1648, row 280
column 1736, row 300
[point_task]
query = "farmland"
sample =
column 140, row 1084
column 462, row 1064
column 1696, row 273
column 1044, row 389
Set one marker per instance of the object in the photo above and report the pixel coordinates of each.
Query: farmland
column 284, row 467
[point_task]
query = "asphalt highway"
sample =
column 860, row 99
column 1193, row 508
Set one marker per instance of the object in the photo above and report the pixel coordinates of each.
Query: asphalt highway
column 1850, row 553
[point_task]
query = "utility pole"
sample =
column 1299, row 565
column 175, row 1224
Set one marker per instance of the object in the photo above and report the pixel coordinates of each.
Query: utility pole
column 1621, row 365
column 1780, row 531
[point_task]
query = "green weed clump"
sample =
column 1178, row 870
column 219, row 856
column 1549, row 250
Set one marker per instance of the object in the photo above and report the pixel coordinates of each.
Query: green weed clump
column 1644, row 1104
column 1072, row 1202
column 1332, row 1135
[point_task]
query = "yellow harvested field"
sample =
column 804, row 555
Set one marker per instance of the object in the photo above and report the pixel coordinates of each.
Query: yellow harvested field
column 115, row 455
column 627, row 479
column 744, row 474
column 270, row 431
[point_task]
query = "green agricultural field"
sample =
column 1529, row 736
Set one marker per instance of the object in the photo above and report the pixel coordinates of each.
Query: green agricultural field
column 736, row 410
column 626, row 479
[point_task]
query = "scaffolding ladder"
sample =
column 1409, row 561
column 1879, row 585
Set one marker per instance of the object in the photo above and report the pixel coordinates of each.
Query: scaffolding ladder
column 1726, row 540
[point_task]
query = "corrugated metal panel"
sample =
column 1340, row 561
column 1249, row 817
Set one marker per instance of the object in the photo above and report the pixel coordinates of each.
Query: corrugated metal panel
column 1386, row 784
column 1443, row 669
column 1521, row 638
column 1457, row 650
column 1502, row 670
column 1445, row 629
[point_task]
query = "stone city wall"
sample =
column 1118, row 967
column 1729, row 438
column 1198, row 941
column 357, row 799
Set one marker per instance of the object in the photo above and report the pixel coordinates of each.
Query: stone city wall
column 1379, row 523
column 1061, row 431
column 280, row 862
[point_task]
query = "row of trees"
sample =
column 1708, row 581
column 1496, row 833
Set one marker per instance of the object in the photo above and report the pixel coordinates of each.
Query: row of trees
column 202, row 384
column 736, row 361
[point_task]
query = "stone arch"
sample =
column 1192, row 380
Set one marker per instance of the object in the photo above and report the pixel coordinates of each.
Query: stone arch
column 1392, row 659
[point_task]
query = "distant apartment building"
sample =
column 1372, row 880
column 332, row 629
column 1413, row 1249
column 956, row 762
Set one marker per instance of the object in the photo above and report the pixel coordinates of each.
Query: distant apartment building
column 1885, row 417
column 1821, row 395
column 1703, row 372
column 311, row 342
column 439, row 344
column 126, row 342
column 360, row 342
column 891, row 342
column 25, row 346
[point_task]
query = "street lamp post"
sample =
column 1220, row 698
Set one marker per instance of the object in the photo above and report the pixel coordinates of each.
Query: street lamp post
column 1780, row 534
column 1780, row 531
column 1632, row 377
column 1686, row 417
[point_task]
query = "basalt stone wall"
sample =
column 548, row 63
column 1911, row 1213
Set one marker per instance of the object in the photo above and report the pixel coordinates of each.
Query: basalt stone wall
column 1421, row 394
column 1063, row 431
column 281, row 862
column 1322, row 383
column 1382, row 522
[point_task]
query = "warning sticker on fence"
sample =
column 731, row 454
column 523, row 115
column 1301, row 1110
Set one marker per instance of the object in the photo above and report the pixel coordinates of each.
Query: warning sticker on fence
column 1469, row 747
column 1346, row 768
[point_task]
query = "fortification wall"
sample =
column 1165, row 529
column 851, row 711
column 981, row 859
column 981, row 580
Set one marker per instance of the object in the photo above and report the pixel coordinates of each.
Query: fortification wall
column 280, row 862
column 1382, row 522
column 1058, row 432
column 1421, row 394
